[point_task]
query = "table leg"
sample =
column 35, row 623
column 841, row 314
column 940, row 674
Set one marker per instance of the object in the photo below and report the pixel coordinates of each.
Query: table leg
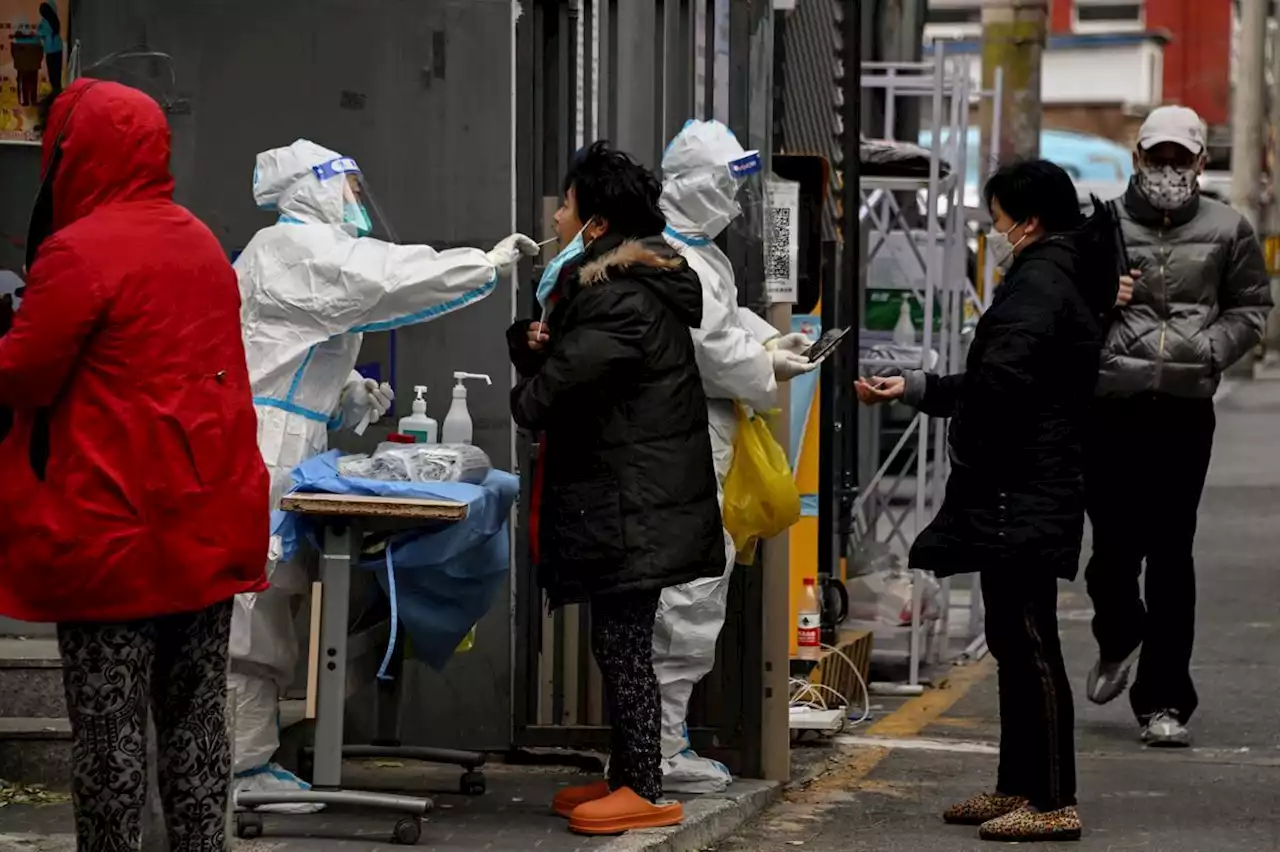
column 331, row 690
column 341, row 550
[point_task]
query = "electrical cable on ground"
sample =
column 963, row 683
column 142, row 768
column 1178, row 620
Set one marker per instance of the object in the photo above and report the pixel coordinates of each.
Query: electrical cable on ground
column 814, row 696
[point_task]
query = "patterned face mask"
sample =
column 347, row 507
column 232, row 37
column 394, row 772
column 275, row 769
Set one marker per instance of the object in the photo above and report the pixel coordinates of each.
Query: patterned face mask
column 1168, row 187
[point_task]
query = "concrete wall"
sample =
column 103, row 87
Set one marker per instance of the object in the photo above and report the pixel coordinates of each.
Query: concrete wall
column 420, row 93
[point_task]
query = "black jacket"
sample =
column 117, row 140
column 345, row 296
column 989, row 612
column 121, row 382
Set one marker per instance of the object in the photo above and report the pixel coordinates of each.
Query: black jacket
column 1015, row 497
column 628, row 497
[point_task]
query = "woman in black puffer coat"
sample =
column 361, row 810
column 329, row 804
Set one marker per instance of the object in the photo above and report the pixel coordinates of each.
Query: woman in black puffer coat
column 1015, row 503
column 625, row 491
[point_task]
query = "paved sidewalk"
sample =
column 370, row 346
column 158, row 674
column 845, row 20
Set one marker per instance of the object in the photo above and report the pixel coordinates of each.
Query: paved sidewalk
column 513, row 816
column 1223, row 794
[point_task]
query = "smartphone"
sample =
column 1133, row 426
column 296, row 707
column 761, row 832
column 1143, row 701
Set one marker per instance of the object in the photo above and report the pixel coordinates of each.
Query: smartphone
column 825, row 344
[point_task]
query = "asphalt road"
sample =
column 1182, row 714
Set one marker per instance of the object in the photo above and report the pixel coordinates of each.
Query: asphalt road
column 1222, row 794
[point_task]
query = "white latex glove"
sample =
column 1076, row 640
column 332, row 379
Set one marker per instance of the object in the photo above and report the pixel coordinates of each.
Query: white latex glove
column 506, row 254
column 365, row 401
column 795, row 343
column 787, row 365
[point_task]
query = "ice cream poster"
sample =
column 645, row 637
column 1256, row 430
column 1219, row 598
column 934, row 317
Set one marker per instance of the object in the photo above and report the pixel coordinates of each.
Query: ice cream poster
column 33, row 61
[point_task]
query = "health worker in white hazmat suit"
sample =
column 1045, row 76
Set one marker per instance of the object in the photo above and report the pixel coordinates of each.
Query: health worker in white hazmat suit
column 310, row 285
column 709, row 183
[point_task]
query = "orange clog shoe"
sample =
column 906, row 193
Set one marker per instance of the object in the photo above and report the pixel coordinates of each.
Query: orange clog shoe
column 622, row 811
column 571, row 797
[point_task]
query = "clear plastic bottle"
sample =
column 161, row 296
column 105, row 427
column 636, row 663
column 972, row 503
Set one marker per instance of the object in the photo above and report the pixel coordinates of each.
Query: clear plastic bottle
column 809, row 622
column 904, row 333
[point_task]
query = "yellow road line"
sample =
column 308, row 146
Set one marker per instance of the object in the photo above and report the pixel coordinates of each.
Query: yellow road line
column 909, row 720
column 918, row 713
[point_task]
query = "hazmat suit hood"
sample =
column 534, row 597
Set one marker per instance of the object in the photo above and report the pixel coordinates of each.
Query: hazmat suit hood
column 703, row 171
column 284, row 179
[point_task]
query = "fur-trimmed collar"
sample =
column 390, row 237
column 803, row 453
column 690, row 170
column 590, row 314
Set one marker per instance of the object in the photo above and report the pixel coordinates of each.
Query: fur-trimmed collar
column 629, row 254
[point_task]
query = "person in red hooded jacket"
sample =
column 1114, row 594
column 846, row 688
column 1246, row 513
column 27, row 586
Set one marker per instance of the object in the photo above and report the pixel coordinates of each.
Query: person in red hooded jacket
column 133, row 503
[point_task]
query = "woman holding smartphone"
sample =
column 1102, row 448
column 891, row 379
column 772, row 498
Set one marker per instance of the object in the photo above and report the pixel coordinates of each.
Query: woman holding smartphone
column 1014, row 507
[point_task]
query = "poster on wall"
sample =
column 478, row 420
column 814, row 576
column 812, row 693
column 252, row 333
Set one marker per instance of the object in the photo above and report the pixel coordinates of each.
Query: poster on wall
column 33, row 58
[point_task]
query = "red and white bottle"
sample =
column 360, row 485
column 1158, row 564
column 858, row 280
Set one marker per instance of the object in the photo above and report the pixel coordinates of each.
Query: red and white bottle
column 809, row 622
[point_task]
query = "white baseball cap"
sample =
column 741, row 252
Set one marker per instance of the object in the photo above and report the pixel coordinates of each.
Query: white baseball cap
column 1178, row 124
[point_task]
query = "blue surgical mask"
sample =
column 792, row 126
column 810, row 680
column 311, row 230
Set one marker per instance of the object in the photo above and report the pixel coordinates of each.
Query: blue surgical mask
column 551, row 275
column 353, row 213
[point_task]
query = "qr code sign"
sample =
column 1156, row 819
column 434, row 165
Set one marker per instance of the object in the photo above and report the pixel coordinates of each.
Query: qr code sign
column 778, row 266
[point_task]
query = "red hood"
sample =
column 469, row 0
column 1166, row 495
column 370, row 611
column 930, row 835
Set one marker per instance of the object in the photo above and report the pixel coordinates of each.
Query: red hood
column 115, row 147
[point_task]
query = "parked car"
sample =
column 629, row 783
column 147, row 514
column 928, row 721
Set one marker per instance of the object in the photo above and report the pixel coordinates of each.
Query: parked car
column 1092, row 161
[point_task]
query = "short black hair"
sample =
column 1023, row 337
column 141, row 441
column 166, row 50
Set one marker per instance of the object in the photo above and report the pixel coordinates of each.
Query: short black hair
column 612, row 185
column 49, row 14
column 1037, row 189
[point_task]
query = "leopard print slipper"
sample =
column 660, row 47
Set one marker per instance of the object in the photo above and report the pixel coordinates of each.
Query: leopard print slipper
column 983, row 807
column 1025, row 826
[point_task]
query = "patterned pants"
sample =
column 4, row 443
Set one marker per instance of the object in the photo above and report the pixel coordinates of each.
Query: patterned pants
column 622, row 641
column 177, row 666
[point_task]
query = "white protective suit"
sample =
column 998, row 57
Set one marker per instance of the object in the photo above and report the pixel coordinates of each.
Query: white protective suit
column 699, row 201
column 309, row 288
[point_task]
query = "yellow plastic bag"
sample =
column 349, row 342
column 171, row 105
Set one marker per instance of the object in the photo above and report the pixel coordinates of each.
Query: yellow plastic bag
column 760, row 495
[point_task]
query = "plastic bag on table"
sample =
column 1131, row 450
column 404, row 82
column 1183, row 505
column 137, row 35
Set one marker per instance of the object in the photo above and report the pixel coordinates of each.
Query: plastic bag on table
column 885, row 597
column 357, row 467
column 760, row 495
column 419, row 463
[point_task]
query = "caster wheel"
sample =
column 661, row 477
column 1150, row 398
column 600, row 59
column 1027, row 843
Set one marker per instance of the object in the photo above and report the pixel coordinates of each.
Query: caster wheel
column 408, row 832
column 472, row 784
column 248, row 826
column 306, row 768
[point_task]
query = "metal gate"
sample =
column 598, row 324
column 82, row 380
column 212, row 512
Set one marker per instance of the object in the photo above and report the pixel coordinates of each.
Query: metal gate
column 558, row 697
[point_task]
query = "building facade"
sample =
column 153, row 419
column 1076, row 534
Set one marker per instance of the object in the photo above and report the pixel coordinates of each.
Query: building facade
column 1109, row 62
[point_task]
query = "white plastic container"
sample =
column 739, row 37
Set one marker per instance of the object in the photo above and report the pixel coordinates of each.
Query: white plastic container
column 904, row 333
column 457, row 423
column 418, row 425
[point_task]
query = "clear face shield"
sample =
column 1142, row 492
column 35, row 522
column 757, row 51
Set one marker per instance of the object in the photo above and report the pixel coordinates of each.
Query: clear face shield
column 752, row 199
column 730, row 198
column 147, row 70
column 151, row 71
column 360, row 208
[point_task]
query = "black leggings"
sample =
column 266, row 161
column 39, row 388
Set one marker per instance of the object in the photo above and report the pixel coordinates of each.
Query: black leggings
column 177, row 666
column 1037, row 717
column 622, row 641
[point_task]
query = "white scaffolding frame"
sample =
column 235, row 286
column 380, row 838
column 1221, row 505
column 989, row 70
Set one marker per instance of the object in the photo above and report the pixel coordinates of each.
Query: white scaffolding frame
column 878, row 515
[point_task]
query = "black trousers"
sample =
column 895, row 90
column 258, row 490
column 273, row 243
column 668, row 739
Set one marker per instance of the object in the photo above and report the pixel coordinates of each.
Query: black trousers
column 177, row 666
column 1146, row 462
column 622, row 641
column 1037, row 717
column 53, row 62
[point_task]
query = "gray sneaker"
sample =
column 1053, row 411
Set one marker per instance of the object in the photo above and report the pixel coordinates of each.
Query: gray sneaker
column 1107, row 681
column 1163, row 730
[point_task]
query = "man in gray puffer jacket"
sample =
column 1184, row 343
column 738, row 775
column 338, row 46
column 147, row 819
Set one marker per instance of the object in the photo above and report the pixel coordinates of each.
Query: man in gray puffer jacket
column 1196, row 303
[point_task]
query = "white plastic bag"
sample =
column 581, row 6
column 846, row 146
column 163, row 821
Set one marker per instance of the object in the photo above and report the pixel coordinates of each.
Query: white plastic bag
column 885, row 597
